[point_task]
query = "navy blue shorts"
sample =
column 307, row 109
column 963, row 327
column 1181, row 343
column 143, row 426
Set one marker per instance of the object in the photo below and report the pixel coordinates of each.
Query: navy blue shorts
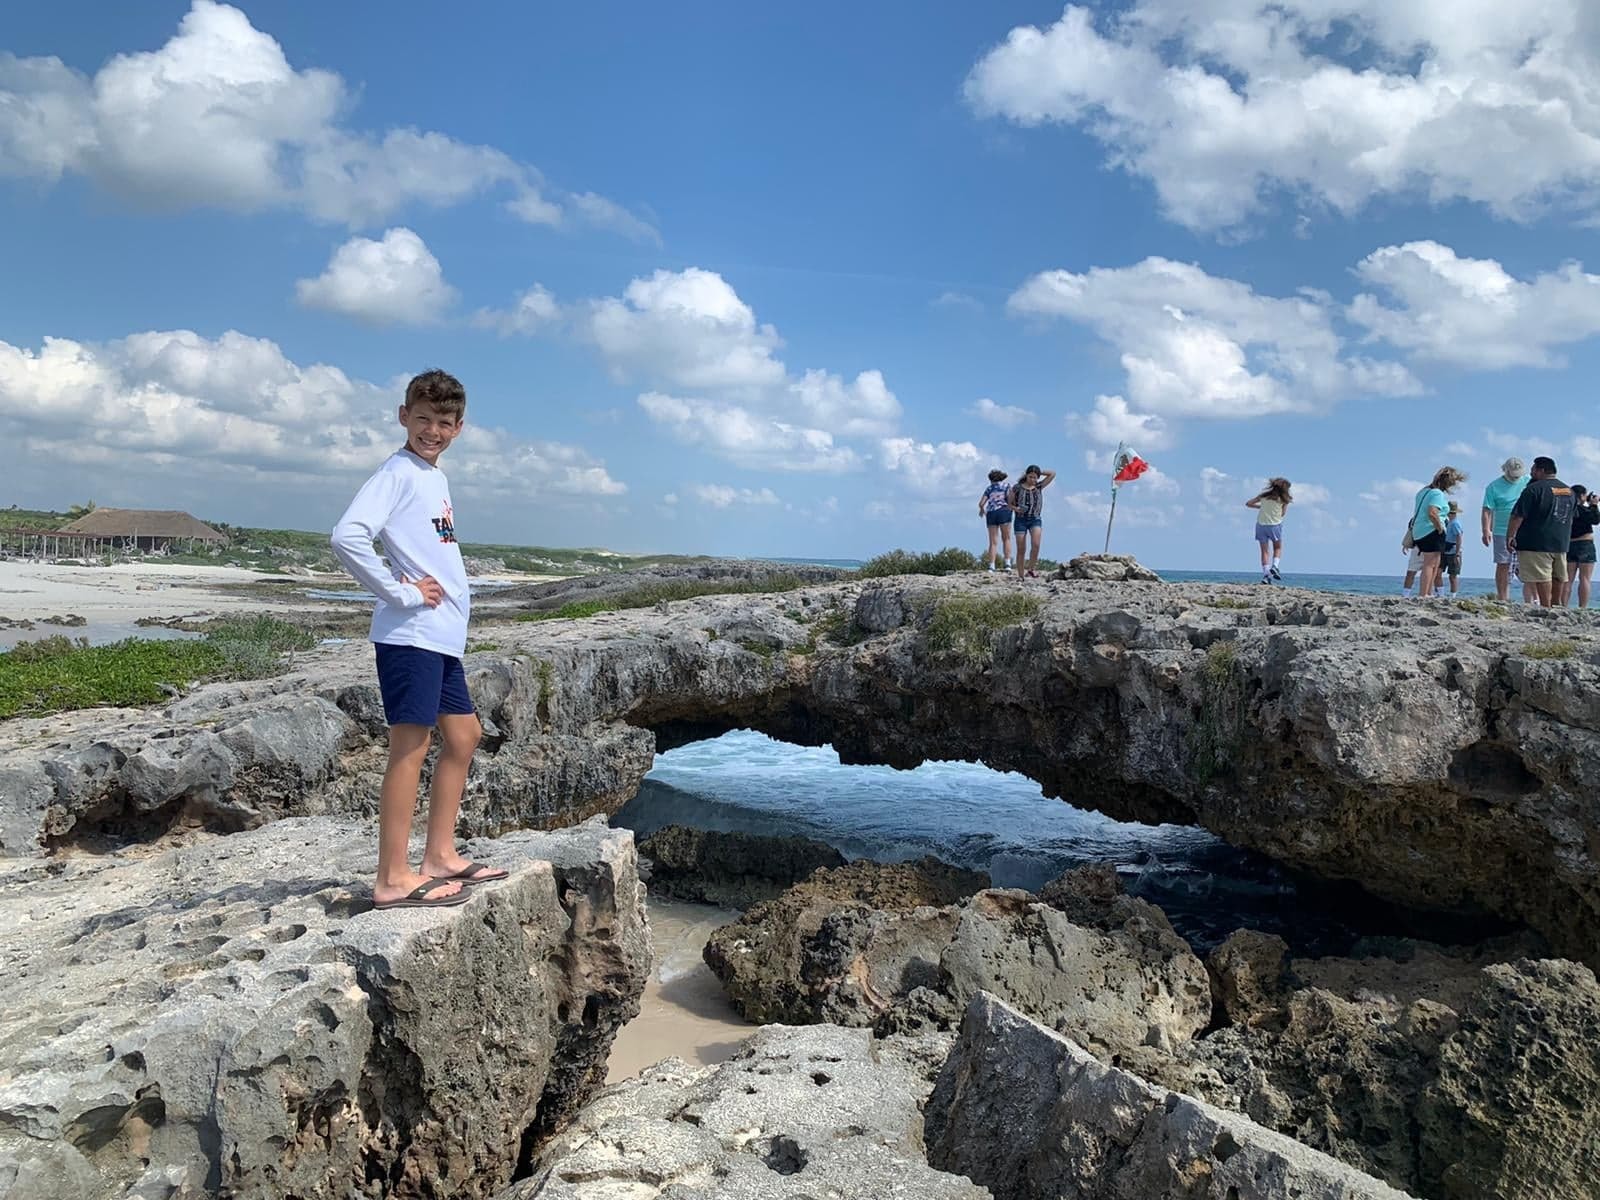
column 419, row 686
column 1001, row 516
column 1023, row 524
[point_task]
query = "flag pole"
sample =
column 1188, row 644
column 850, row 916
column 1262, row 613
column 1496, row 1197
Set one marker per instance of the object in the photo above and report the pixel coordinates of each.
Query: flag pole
column 1111, row 518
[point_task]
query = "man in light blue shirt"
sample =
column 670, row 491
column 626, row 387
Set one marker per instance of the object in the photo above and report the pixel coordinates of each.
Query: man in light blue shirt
column 1499, row 498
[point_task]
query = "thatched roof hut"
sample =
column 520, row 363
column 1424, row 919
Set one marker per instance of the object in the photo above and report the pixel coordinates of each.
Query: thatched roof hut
column 143, row 525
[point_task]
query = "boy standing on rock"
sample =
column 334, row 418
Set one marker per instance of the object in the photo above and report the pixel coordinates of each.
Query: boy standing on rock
column 419, row 628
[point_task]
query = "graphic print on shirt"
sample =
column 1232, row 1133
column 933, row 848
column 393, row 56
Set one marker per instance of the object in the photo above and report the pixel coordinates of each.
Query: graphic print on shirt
column 445, row 526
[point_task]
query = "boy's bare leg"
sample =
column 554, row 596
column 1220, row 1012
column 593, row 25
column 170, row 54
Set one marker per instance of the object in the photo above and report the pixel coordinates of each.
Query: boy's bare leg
column 459, row 734
column 397, row 803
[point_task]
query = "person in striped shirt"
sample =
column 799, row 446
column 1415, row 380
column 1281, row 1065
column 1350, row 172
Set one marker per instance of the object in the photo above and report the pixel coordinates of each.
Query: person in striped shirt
column 1026, row 500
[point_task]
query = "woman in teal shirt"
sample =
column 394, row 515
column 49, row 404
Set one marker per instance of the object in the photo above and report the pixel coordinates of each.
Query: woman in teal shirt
column 1428, row 519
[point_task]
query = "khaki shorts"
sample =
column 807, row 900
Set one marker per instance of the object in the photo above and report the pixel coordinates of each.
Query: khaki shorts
column 1541, row 566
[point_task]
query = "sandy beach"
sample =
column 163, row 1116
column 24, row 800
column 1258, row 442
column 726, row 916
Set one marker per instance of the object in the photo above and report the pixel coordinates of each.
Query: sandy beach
column 128, row 591
column 112, row 600
column 684, row 1012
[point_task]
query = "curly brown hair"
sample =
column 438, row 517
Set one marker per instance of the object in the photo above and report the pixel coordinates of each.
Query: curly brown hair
column 440, row 389
column 1447, row 479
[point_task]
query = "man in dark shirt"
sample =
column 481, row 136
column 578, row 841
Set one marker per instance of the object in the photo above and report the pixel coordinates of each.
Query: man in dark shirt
column 1540, row 530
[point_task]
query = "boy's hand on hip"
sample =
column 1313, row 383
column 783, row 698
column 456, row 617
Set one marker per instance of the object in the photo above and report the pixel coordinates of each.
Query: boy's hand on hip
column 432, row 591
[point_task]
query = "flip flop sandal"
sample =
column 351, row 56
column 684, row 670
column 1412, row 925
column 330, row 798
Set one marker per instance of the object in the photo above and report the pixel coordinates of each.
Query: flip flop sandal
column 477, row 873
column 419, row 897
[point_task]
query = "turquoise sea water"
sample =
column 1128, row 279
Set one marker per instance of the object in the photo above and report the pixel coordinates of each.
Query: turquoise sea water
column 999, row 822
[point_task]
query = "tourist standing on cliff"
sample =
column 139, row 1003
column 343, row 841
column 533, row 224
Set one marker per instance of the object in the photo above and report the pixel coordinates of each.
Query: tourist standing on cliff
column 992, row 507
column 1026, row 500
column 1429, row 517
column 1271, row 503
column 1540, row 530
column 1451, row 560
column 1499, row 498
column 419, row 628
column 1580, row 550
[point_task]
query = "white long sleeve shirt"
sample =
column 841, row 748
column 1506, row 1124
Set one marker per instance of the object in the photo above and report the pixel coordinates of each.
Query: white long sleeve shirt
column 406, row 505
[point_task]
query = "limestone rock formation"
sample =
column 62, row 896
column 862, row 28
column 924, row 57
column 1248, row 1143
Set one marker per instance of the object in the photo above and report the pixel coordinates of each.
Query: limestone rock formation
column 799, row 1114
column 1095, row 1132
column 1107, row 568
column 1512, row 1110
column 1448, row 1074
column 819, row 953
column 842, row 944
column 230, row 1016
column 731, row 870
column 1442, row 756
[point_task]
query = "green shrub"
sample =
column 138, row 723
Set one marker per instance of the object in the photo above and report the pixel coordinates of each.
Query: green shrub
column 651, row 594
column 965, row 625
column 1554, row 648
column 837, row 627
column 1219, row 726
column 57, row 673
column 902, row 562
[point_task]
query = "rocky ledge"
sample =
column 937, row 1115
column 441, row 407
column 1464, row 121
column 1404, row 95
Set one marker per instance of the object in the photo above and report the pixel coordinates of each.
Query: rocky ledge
column 1446, row 756
column 229, row 1017
column 1453, row 1073
column 1099, row 1133
column 798, row 1114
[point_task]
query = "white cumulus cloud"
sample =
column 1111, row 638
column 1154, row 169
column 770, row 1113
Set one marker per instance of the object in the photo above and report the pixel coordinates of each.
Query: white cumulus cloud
column 392, row 281
column 1471, row 312
column 686, row 329
column 752, row 439
column 533, row 311
column 1002, row 416
column 1111, row 422
column 218, row 117
column 722, row 495
column 940, row 471
column 1195, row 345
column 1229, row 105
column 235, row 409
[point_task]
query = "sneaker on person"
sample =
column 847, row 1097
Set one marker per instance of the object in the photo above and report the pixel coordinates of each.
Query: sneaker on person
column 1274, row 572
column 991, row 566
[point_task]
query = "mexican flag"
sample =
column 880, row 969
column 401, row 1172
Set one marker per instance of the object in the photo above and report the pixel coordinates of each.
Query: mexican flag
column 1127, row 466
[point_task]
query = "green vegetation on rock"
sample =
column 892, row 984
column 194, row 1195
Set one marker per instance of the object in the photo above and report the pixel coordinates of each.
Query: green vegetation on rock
column 58, row 673
column 902, row 562
column 1556, row 648
column 1220, row 723
column 649, row 595
column 965, row 625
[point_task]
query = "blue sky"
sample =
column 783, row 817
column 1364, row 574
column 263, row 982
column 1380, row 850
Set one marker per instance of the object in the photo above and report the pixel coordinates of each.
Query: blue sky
column 742, row 280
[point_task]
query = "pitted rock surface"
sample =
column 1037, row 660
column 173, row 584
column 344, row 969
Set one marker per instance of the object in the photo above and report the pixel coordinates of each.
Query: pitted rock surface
column 1032, row 1116
column 1417, row 749
column 230, row 1016
column 1115, row 975
column 799, row 1114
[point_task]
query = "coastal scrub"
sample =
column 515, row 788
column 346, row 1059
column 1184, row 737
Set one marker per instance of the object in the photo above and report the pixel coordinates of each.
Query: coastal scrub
column 1553, row 648
column 57, row 674
column 649, row 595
column 965, row 625
column 948, row 561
